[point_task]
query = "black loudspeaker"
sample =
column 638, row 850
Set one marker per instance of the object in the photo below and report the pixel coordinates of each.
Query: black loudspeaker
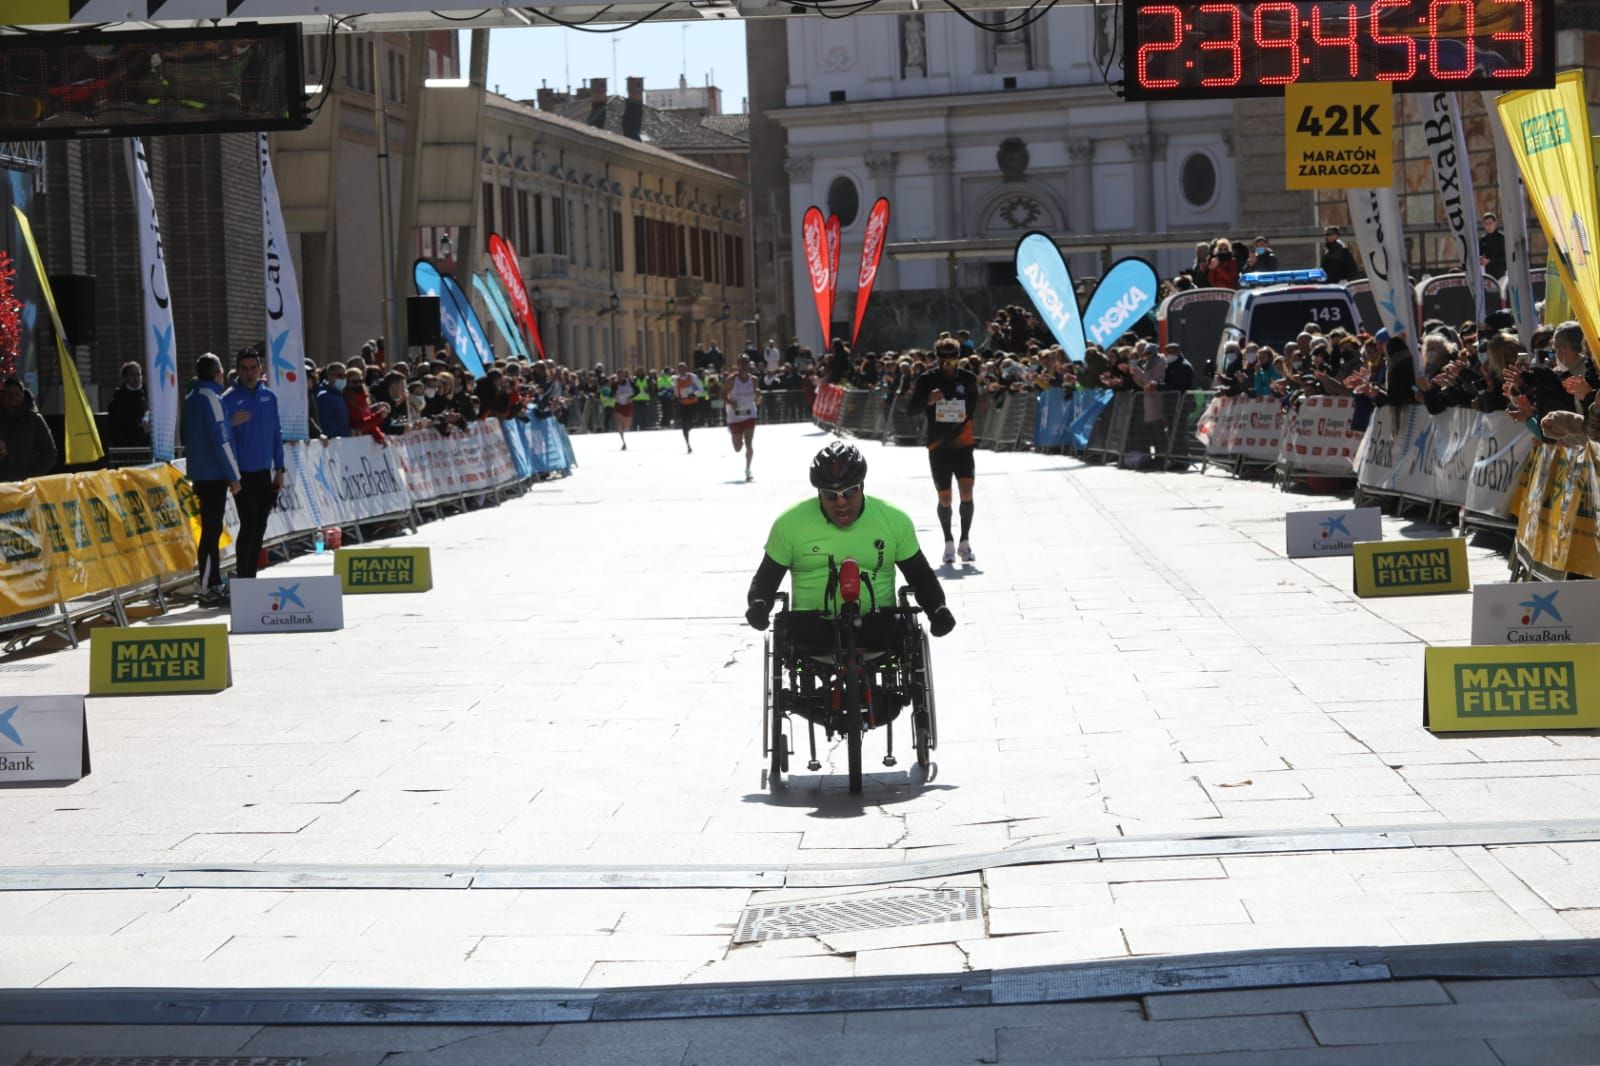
column 74, row 295
column 422, row 320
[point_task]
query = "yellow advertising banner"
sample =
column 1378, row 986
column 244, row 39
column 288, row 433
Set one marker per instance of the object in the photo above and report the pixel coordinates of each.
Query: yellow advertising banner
column 147, row 659
column 25, row 583
column 1338, row 135
column 73, row 535
column 1411, row 567
column 1548, row 131
column 383, row 569
column 1555, row 507
column 1511, row 687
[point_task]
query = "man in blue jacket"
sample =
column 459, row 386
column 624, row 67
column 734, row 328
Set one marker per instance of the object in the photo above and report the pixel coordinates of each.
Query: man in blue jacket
column 252, row 411
column 212, row 470
column 332, row 414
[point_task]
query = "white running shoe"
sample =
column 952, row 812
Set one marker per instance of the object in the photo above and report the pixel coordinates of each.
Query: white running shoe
column 965, row 552
column 949, row 551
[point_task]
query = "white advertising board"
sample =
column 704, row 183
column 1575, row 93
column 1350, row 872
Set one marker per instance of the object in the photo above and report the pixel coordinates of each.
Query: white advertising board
column 287, row 604
column 1314, row 533
column 1537, row 612
column 43, row 740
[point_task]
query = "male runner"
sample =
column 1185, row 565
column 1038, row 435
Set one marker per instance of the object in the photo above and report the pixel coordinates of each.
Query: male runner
column 686, row 391
column 741, row 399
column 948, row 398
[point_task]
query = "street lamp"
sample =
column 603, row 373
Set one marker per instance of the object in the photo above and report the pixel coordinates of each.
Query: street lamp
column 535, row 294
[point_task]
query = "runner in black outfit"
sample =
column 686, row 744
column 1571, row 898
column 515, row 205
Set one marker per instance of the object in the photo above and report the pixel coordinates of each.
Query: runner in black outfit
column 948, row 397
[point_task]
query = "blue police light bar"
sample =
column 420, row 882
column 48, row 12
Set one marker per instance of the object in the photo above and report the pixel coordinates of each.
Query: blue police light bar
column 1284, row 277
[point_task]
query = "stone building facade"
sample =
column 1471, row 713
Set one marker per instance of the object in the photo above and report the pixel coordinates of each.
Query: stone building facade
column 986, row 135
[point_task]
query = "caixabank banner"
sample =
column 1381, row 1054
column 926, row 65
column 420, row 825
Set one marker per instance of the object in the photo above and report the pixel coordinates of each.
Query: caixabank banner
column 363, row 570
column 1506, row 687
column 1411, row 567
column 43, row 741
column 142, row 660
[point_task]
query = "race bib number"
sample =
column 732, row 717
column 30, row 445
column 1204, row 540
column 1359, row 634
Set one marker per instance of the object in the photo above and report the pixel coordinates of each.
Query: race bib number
column 743, row 412
column 950, row 411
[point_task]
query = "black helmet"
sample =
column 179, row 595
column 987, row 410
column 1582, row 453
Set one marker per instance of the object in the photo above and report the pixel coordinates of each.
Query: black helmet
column 838, row 466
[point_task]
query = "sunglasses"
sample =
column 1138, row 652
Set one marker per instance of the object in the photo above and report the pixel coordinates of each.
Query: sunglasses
column 849, row 492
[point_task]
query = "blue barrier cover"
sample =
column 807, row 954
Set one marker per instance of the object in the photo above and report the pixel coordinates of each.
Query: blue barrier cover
column 1051, row 420
column 1084, row 411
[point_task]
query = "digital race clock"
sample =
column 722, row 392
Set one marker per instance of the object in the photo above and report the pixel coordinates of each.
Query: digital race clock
column 1191, row 49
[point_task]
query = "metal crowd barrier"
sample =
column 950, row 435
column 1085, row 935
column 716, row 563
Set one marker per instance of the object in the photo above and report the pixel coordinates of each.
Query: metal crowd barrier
column 585, row 414
column 1138, row 428
column 873, row 413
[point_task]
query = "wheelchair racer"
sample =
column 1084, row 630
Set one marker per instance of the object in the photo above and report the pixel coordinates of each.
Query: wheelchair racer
column 812, row 539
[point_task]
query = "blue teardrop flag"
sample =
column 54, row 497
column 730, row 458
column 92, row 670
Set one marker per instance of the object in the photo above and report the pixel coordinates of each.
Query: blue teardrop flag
column 1126, row 294
column 1043, row 274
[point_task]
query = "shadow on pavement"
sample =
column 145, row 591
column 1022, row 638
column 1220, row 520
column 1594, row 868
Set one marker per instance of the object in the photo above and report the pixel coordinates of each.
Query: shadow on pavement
column 828, row 796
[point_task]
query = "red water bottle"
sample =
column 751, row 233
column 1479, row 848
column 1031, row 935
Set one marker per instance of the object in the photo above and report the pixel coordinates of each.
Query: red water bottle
column 850, row 581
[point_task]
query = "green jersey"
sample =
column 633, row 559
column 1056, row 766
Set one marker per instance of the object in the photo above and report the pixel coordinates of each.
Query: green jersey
column 803, row 539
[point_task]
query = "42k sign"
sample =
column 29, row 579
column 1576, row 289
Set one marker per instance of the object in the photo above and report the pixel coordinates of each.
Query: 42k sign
column 1338, row 136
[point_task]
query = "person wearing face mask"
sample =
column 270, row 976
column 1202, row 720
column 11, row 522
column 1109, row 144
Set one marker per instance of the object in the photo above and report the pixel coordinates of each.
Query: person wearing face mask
column 1568, row 386
column 1262, row 257
column 1179, row 375
column 332, row 413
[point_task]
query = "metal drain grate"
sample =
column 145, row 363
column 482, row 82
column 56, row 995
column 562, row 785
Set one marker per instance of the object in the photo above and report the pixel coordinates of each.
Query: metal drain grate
column 21, row 668
column 159, row 1060
column 850, row 915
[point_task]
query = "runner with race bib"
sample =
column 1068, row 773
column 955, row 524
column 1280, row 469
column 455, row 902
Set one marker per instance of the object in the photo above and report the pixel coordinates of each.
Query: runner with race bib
column 741, row 399
column 948, row 397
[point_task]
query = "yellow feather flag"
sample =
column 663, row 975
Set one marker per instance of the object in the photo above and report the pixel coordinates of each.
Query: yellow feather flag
column 83, row 439
column 1548, row 133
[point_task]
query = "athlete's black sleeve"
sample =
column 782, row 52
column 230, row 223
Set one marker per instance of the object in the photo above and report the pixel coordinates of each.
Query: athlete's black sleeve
column 920, row 389
column 769, row 575
column 924, row 584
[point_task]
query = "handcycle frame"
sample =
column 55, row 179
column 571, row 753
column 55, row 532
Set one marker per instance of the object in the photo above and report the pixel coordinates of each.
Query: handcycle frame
column 786, row 671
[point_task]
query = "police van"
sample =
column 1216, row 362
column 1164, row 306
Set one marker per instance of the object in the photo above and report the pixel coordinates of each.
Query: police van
column 1275, row 306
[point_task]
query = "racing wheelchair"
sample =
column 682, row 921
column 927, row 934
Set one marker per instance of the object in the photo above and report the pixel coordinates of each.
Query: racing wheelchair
column 829, row 678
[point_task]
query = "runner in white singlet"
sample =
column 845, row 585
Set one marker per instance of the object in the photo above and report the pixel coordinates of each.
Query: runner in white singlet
column 741, row 399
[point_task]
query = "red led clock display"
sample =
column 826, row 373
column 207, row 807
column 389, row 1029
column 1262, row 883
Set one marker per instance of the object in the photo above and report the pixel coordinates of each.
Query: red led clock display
column 1186, row 50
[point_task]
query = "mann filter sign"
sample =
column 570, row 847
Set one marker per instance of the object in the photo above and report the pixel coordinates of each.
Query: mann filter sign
column 42, row 740
column 148, row 659
column 1537, row 612
column 302, row 604
column 1412, row 567
column 1512, row 688
column 1313, row 533
column 384, row 569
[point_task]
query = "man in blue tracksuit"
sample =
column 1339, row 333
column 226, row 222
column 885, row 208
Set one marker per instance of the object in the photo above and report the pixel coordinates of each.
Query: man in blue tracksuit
column 212, row 470
column 252, row 411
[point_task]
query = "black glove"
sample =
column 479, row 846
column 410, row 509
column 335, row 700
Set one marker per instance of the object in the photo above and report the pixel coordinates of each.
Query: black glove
column 941, row 621
column 756, row 613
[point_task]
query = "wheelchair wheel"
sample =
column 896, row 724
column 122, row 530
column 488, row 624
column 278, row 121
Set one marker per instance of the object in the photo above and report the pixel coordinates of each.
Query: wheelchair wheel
column 924, row 719
column 852, row 730
column 771, row 716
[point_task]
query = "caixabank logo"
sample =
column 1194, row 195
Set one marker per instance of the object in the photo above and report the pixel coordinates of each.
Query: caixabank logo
column 1540, row 622
column 1334, row 535
column 13, row 761
column 279, row 612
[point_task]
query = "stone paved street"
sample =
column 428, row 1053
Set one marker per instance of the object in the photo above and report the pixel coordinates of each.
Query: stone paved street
column 1159, row 737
